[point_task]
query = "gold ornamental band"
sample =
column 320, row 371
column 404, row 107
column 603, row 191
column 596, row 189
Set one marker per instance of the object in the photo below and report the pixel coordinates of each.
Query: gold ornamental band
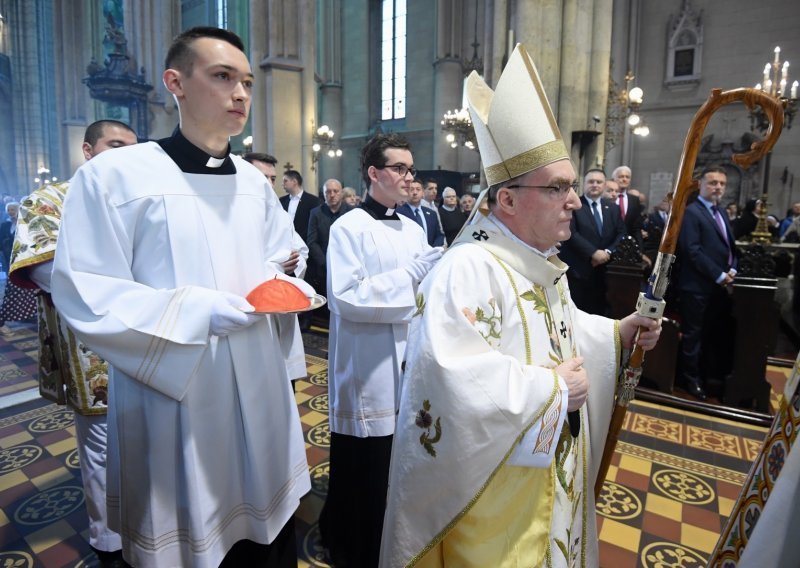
column 526, row 162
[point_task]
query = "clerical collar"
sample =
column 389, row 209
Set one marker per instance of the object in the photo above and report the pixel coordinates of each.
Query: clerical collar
column 193, row 160
column 376, row 210
column 507, row 232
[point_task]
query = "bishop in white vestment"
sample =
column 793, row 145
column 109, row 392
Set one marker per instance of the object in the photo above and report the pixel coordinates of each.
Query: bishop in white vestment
column 508, row 388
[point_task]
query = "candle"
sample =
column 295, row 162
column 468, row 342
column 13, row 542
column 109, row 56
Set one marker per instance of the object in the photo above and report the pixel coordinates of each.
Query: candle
column 758, row 87
column 785, row 70
column 783, row 87
column 766, row 73
column 794, row 90
column 777, row 55
column 768, row 86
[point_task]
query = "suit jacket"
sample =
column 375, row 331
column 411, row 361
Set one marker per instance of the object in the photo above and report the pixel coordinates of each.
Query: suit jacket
column 307, row 203
column 6, row 243
column 633, row 218
column 702, row 250
column 434, row 231
column 319, row 230
column 654, row 226
column 577, row 251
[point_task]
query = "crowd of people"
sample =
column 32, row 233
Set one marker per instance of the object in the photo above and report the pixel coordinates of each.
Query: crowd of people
column 471, row 360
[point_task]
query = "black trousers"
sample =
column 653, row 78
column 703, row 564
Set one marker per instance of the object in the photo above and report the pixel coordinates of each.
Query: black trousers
column 351, row 522
column 280, row 553
column 708, row 332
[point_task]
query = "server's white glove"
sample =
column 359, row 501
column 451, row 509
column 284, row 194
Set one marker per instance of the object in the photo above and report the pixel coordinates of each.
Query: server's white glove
column 230, row 313
column 421, row 264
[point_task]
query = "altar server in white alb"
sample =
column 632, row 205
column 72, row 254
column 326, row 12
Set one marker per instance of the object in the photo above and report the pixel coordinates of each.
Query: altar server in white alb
column 376, row 259
column 496, row 446
column 159, row 245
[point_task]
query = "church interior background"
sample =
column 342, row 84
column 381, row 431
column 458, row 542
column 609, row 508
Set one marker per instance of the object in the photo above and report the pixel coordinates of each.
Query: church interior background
column 362, row 66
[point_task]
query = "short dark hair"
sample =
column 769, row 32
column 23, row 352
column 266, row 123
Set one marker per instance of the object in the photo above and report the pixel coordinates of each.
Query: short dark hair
column 372, row 154
column 598, row 170
column 259, row 157
column 431, row 180
column 295, row 175
column 181, row 55
column 718, row 168
column 94, row 131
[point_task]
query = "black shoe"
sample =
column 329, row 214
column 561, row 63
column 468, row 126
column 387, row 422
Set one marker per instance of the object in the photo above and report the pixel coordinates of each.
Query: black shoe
column 695, row 389
column 111, row 559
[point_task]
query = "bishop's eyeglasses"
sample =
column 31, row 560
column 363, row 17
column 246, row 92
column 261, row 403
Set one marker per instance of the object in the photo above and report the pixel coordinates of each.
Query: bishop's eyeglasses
column 557, row 192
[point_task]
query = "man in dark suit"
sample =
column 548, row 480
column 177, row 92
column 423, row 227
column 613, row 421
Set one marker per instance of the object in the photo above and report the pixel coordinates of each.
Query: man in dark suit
column 708, row 260
column 629, row 205
column 297, row 202
column 425, row 217
column 319, row 229
column 654, row 229
column 597, row 229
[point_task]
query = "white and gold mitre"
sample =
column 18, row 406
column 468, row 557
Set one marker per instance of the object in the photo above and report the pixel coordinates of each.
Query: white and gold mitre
column 514, row 126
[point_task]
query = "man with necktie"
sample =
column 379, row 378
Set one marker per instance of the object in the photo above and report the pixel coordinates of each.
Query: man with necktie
column 708, row 260
column 630, row 207
column 597, row 229
column 424, row 216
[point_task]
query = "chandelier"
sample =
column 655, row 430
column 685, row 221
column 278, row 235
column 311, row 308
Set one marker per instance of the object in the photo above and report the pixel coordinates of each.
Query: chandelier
column 775, row 87
column 458, row 126
column 622, row 110
column 43, row 176
column 322, row 140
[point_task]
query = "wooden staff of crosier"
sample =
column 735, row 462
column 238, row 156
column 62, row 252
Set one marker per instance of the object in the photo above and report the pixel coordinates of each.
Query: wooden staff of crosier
column 651, row 302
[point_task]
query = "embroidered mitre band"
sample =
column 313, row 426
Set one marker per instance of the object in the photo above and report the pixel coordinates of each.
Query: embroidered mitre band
column 514, row 125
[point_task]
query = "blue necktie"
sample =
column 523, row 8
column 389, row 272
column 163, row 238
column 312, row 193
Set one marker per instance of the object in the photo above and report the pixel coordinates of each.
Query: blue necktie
column 418, row 218
column 598, row 220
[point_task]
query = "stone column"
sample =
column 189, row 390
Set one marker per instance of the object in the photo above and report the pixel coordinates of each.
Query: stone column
column 330, row 72
column 285, row 97
column 447, row 78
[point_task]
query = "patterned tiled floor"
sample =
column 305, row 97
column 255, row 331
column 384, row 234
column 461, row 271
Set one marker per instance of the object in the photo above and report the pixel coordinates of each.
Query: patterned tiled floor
column 673, row 481
column 19, row 346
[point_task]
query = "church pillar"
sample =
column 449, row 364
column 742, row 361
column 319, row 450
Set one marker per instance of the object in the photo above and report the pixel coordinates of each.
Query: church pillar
column 286, row 91
column 598, row 77
column 150, row 26
column 539, row 25
column 447, row 78
column 330, row 72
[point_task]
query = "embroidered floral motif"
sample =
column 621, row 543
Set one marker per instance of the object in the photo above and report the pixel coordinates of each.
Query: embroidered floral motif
column 420, row 305
column 489, row 325
column 424, row 420
column 540, row 305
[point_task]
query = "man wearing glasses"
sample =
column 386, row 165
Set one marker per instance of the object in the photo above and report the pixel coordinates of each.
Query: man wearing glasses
column 376, row 260
column 495, row 453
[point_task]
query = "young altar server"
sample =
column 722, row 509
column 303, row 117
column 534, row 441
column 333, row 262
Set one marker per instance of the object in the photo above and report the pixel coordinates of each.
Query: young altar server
column 376, row 259
column 159, row 245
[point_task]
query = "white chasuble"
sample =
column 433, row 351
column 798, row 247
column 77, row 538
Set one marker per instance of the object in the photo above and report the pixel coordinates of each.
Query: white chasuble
column 485, row 470
column 205, row 443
